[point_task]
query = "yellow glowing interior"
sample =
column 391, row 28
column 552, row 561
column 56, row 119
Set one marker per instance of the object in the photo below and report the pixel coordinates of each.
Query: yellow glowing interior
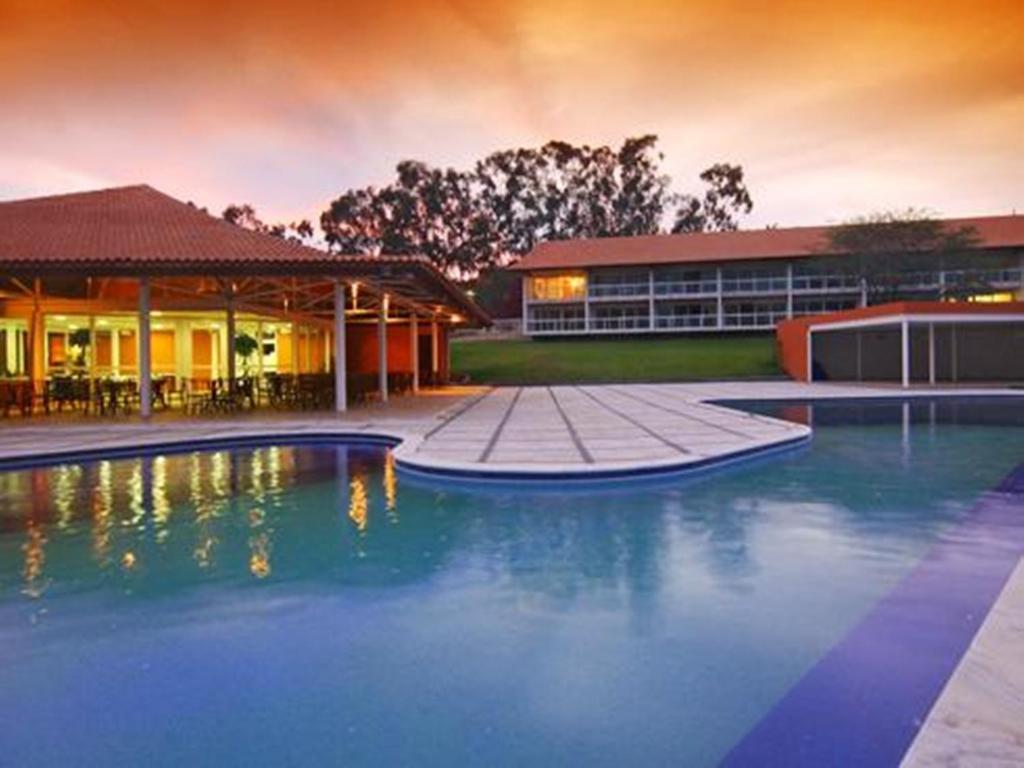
column 558, row 287
column 992, row 298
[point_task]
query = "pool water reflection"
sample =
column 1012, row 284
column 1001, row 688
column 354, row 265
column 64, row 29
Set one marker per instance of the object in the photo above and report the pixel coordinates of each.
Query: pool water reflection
column 309, row 605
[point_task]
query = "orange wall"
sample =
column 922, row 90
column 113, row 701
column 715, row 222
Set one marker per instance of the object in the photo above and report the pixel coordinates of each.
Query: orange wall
column 126, row 350
column 162, row 346
column 791, row 348
column 102, row 346
column 361, row 347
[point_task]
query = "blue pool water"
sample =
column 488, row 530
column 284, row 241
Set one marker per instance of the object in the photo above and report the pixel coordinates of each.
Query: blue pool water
column 309, row 605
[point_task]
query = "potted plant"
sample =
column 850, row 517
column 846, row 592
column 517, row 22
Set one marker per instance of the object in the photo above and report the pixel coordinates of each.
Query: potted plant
column 245, row 346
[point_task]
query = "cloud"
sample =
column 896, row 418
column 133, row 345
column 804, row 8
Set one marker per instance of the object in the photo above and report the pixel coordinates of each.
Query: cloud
column 831, row 107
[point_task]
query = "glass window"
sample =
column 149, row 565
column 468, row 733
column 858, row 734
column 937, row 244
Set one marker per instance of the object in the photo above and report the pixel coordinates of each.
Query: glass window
column 558, row 287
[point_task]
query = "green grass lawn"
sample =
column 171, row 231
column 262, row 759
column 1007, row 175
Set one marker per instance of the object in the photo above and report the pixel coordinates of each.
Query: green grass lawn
column 579, row 361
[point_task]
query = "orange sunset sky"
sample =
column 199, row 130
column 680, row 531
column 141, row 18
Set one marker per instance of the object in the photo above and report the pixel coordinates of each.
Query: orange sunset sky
column 834, row 109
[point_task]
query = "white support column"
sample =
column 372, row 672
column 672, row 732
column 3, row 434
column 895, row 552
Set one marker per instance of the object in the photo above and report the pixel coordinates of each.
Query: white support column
column 115, row 351
column 931, row 353
column 435, row 351
column 382, row 348
column 810, row 354
column 650, row 299
column 905, row 353
column 230, row 355
column 259, row 350
column 182, row 351
column 295, row 348
column 145, row 361
column 92, row 349
column 863, row 292
column 526, row 310
column 586, row 304
column 340, row 363
column 414, row 351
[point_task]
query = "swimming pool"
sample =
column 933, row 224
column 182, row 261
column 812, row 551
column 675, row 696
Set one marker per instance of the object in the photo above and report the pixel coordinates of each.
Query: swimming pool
column 310, row 605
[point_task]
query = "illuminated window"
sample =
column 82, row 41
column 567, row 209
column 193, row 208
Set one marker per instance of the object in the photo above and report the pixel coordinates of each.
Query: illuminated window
column 992, row 298
column 558, row 287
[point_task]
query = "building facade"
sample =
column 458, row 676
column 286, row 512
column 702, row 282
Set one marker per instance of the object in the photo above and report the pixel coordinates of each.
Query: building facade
column 129, row 283
column 729, row 281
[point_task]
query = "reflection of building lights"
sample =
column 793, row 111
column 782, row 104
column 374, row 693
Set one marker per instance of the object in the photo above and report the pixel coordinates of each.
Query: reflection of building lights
column 128, row 560
column 161, row 504
column 102, row 508
column 259, row 559
column 35, row 558
column 203, row 554
column 390, row 483
column 357, row 507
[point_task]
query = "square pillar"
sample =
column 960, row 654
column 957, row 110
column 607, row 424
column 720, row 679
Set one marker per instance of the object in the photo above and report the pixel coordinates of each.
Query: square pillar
column 435, row 352
column 295, row 348
column 145, row 359
column 931, row 353
column 340, row 367
column 414, row 351
column 231, row 344
column 905, row 353
column 382, row 348
column 810, row 354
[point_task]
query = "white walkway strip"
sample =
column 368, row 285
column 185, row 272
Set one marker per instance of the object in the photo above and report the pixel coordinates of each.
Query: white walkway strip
column 979, row 717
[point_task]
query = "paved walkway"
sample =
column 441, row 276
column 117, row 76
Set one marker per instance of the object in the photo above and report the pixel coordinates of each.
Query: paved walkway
column 979, row 718
column 591, row 430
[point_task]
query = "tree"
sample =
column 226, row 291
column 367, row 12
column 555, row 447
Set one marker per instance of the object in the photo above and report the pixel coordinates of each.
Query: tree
column 427, row 211
column 245, row 216
column 561, row 191
column 725, row 198
column 498, row 292
column 468, row 221
column 884, row 249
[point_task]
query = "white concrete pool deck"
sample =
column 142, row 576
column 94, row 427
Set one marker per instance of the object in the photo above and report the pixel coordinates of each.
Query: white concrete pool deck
column 978, row 719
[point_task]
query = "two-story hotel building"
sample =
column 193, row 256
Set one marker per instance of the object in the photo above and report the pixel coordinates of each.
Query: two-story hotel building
column 739, row 281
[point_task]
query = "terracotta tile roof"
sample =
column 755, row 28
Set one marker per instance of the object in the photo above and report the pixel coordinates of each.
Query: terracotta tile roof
column 138, row 229
column 743, row 245
column 134, row 224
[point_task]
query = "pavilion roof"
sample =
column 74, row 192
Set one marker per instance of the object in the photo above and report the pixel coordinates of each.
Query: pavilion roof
column 138, row 230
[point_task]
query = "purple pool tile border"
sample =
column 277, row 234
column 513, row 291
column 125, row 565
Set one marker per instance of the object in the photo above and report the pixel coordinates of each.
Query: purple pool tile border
column 864, row 702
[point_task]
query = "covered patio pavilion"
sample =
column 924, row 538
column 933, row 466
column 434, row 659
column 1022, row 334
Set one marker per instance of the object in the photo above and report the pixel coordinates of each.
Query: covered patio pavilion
column 913, row 342
column 129, row 284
